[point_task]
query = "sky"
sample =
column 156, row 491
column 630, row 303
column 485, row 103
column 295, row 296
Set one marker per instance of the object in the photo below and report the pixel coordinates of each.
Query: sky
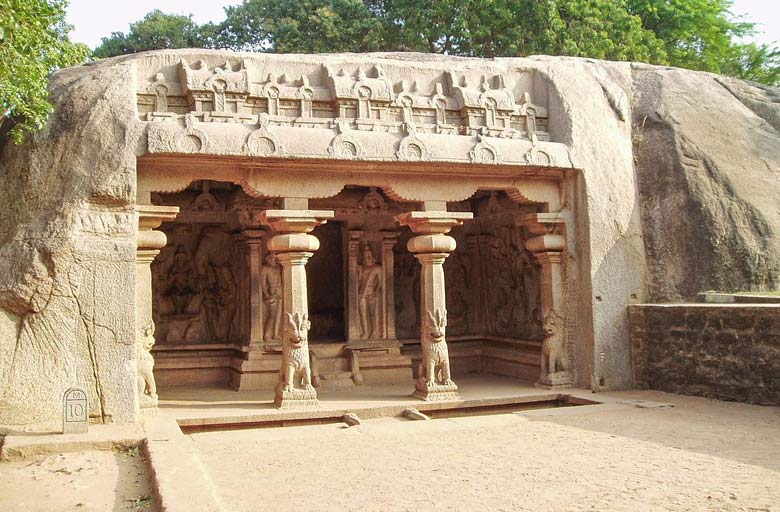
column 94, row 19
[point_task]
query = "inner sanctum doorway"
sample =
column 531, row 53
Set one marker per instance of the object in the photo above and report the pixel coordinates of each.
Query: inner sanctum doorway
column 325, row 277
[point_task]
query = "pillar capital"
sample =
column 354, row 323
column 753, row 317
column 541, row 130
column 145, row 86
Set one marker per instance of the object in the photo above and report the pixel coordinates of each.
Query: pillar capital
column 432, row 222
column 149, row 218
column 295, row 221
column 542, row 223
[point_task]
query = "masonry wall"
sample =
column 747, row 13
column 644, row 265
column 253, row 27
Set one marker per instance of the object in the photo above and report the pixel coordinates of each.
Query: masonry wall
column 724, row 351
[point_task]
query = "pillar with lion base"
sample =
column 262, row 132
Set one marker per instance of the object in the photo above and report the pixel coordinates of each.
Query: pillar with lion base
column 148, row 245
column 431, row 247
column 293, row 247
column 548, row 243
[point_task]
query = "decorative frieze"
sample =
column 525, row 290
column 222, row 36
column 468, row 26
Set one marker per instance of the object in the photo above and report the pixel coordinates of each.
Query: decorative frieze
column 337, row 104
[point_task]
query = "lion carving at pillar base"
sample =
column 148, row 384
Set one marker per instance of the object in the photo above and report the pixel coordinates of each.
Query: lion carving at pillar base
column 554, row 361
column 434, row 380
column 295, row 387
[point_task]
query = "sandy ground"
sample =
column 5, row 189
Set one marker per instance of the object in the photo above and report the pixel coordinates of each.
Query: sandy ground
column 698, row 455
column 88, row 481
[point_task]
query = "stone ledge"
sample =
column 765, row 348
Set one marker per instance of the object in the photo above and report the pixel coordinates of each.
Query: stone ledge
column 24, row 445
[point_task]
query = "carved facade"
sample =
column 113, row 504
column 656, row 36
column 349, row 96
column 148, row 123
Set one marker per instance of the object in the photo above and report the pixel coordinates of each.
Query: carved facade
column 289, row 144
column 217, row 247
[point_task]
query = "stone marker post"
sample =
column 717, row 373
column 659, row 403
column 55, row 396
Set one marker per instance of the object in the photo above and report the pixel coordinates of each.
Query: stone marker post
column 293, row 247
column 431, row 247
column 75, row 413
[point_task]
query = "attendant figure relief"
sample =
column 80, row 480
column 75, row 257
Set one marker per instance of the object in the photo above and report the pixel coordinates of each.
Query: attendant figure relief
column 370, row 296
column 271, row 286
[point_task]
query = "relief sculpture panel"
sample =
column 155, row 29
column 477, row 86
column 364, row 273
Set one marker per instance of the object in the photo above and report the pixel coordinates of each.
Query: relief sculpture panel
column 196, row 277
column 513, row 297
column 196, row 291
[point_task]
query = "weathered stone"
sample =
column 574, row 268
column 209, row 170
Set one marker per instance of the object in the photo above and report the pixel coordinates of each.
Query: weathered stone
column 75, row 419
column 351, row 419
column 719, row 362
column 709, row 178
column 556, row 138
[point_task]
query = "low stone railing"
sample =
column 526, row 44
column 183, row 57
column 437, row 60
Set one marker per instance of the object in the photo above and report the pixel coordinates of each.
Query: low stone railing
column 724, row 351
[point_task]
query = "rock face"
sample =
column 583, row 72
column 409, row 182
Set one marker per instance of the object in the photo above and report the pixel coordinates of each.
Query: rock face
column 708, row 167
column 676, row 191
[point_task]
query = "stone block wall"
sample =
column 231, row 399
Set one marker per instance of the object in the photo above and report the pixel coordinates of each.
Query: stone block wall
column 724, row 351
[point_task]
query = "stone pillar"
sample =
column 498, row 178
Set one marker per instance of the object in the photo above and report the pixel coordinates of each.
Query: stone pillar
column 293, row 247
column 389, row 240
column 353, row 250
column 548, row 244
column 431, row 247
column 254, row 242
column 148, row 245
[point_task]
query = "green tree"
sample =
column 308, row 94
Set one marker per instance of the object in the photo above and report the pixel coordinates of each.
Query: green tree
column 157, row 31
column 33, row 43
column 701, row 34
column 499, row 28
column 304, row 26
column 695, row 34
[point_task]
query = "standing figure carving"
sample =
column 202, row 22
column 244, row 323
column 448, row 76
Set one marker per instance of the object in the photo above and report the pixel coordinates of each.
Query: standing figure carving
column 554, row 364
column 369, row 296
column 180, row 288
column 271, row 285
column 434, row 369
column 219, row 301
column 295, row 375
column 147, row 389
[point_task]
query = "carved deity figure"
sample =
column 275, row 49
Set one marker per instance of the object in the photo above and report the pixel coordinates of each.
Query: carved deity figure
column 369, row 296
column 434, row 369
column 271, row 286
column 553, row 350
column 180, row 275
column 219, row 301
column 147, row 389
column 296, row 370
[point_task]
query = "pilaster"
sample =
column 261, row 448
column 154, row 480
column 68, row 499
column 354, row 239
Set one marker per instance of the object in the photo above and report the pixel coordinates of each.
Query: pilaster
column 148, row 245
column 548, row 245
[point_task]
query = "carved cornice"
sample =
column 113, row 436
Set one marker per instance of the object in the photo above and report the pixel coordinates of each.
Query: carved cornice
column 240, row 108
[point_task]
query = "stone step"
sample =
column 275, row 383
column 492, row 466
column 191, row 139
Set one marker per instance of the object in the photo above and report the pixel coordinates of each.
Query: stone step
column 336, row 380
column 333, row 364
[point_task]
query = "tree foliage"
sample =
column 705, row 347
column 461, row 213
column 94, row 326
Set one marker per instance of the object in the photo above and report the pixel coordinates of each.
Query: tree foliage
column 304, row 26
column 695, row 34
column 33, row 43
column 156, row 31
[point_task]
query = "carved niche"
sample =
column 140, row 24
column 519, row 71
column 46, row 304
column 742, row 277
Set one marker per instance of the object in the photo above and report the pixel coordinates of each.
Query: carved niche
column 199, row 295
column 513, row 298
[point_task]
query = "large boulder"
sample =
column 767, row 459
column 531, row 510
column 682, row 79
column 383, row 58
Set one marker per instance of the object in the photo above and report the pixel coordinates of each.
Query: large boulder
column 708, row 165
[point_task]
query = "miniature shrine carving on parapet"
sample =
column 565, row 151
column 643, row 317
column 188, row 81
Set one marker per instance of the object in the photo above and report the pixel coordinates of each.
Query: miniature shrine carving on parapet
column 364, row 100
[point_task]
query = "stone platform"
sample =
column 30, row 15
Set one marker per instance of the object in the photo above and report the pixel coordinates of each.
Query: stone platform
column 210, row 407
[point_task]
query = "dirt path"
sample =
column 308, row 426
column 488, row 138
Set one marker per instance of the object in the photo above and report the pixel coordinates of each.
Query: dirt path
column 613, row 458
column 88, row 482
